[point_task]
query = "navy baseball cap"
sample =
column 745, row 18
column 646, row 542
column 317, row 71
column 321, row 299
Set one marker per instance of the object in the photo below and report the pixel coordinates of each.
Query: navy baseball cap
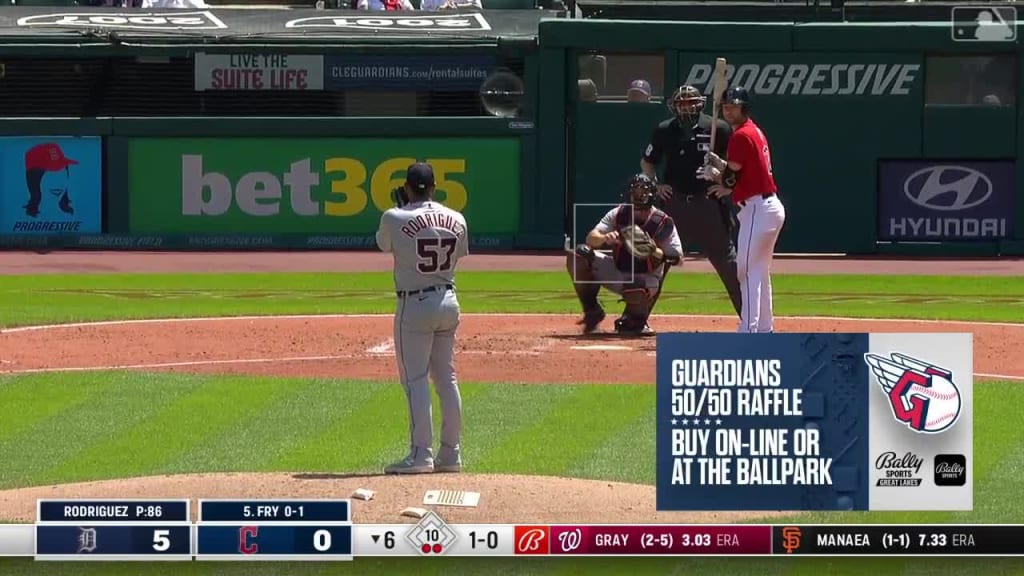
column 642, row 86
column 420, row 176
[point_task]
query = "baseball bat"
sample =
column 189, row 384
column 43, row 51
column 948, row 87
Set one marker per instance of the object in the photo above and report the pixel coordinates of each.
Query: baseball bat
column 716, row 99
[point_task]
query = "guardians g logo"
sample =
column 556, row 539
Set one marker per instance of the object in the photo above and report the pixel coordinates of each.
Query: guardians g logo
column 39, row 160
column 921, row 395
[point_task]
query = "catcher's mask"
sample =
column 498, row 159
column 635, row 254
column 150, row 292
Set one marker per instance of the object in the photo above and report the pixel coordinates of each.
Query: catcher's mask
column 641, row 192
column 687, row 103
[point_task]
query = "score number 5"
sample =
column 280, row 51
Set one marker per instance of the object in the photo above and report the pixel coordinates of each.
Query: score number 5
column 161, row 540
column 388, row 175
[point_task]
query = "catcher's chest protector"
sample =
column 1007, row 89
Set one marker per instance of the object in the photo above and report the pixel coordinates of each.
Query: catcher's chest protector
column 657, row 227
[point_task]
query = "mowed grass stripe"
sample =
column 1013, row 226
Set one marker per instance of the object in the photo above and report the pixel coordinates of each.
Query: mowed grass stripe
column 626, row 456
column 998, row 457
column 997, row 438
column 364, row 440
column 265, row 435
column 499, row 411
column 997, row 496
column 571, row 430
column 27, row 400
column 169, row 434
column 59, row 298
column 122, row 401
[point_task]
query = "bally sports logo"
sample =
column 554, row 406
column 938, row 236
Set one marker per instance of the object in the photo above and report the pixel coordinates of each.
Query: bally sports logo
column 921, row 395
column 534, row 540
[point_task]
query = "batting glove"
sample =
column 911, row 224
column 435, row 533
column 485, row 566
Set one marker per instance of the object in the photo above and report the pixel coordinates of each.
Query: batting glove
column 712, row 159
column 709, row 173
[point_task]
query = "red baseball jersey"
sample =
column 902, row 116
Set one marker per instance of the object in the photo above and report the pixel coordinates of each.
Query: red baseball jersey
column 749, row 148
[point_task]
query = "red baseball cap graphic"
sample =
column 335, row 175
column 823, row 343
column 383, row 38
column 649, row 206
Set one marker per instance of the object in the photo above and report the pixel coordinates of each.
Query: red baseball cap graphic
column 48, row 157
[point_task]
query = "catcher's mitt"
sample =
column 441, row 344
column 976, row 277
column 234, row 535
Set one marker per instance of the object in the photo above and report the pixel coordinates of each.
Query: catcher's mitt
column 637, row 242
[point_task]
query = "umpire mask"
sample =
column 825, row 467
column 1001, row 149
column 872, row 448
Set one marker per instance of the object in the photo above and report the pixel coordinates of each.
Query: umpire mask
column 687, row 103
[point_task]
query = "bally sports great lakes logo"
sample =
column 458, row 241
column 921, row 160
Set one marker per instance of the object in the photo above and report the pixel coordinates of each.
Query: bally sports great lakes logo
column 900, row 471
column 922, row 395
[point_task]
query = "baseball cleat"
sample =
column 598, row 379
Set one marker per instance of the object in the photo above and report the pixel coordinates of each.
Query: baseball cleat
column 452, row 467
column 623, row 329
column 410, row 466
column 591, row 320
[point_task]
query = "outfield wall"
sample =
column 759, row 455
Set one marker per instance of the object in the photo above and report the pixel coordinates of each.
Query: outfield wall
column 886, row 137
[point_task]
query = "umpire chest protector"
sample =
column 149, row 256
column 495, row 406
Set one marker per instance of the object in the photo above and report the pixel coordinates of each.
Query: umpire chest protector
column 658, row 226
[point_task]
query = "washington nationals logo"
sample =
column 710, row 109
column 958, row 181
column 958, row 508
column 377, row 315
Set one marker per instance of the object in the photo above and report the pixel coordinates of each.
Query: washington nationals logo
column 921, row 395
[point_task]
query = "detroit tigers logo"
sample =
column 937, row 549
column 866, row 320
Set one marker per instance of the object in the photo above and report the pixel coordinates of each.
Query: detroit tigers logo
column 921, row 395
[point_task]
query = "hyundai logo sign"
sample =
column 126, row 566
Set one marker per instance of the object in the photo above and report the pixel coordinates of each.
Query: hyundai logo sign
column 948, row 188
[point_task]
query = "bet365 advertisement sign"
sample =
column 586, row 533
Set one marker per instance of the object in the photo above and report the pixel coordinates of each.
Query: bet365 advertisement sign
column 313, row 185
column 815, row 422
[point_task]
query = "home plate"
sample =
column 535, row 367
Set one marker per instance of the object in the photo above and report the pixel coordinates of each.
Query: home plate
column 602, row 347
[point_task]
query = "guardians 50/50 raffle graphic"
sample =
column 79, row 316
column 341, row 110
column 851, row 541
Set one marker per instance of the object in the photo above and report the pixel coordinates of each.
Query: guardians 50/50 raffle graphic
column 815, row 422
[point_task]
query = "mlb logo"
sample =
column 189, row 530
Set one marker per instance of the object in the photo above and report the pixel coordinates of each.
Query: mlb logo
column 984, row 24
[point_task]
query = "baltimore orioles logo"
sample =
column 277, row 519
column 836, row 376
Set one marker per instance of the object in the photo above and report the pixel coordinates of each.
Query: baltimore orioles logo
column 921, row 395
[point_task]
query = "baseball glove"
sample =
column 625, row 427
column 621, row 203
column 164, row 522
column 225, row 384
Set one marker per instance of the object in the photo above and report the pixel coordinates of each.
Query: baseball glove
column 637, row 242
column 399, row 196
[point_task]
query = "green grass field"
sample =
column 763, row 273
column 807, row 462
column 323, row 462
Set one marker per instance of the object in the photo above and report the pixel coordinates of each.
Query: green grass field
column 142, row 424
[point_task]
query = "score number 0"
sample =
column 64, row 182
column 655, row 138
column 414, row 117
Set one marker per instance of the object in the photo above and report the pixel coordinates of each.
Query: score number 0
column 388, row 175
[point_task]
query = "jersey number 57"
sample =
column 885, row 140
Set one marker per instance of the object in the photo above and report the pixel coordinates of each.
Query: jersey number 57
column 435, row 254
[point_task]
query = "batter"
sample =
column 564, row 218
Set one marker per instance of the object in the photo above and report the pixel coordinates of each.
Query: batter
column 427, row 240
column 746, row 174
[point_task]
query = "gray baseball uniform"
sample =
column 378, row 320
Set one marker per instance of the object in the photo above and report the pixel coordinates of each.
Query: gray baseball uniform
column 427, row 239
column 617, row 270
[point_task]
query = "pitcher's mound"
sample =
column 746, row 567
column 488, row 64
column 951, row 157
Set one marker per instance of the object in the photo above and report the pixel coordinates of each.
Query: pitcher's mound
column 504, row 498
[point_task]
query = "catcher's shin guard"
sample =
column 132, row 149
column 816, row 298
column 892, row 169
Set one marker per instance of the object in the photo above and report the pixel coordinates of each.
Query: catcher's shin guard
column 578, row 265
column 637, row 311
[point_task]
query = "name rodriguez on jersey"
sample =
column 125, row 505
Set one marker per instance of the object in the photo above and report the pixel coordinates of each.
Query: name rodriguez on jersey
column 433, row 220
column 726, row 373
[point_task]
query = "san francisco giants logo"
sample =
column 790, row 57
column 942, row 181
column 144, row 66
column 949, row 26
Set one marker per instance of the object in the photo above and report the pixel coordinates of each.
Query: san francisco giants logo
column 791, row 538
column 532, row 540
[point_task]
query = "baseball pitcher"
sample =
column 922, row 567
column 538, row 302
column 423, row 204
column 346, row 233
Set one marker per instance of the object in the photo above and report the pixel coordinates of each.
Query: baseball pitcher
column 644, row 243
column 427, row 240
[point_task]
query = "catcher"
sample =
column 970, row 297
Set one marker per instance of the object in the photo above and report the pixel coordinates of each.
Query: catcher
column 643, row 243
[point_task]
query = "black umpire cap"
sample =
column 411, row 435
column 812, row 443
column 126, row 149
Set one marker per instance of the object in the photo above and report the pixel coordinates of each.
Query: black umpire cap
column 420, row 176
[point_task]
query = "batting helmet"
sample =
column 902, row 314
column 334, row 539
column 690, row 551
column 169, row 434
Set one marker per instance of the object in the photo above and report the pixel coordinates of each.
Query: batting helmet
column 641, row 192
column 737, row 95
column 687, row 103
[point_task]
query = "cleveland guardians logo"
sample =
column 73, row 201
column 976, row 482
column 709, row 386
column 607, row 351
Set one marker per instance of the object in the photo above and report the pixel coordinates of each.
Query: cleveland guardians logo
column 247, row 539
column 921, row 395
column 39, row 160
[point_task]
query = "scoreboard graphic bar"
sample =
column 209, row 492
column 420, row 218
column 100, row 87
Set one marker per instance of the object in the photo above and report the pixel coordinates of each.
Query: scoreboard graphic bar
column 113, row 529
column 321, row 530
column 316, row 530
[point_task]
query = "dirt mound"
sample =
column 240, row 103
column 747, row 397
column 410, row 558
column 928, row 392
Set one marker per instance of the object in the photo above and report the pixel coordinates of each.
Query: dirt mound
column 504, row 498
